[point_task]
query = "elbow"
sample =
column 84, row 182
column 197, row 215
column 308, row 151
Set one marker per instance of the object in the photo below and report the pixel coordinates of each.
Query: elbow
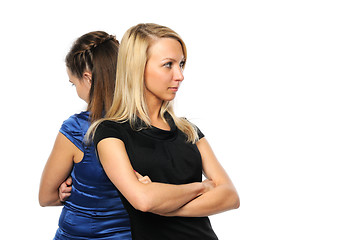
column 236, row 201
column 41, row 200
column 142, row 203
column 42, row 197
column 42, row 203
column 147, row 202
column 143, row 207
column 233, row 199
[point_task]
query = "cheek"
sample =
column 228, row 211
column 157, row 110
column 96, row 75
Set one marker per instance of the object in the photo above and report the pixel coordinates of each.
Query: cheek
column 78, row 91
column 82, row 92
column 152, row 79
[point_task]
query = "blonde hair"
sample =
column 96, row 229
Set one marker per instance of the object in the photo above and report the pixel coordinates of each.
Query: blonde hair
column 129, row 102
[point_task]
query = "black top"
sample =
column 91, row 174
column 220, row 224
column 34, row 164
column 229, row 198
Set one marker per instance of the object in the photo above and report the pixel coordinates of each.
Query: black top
column 165, row 157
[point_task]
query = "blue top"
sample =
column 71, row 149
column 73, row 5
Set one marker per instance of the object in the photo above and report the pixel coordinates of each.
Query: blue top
column 94, row 208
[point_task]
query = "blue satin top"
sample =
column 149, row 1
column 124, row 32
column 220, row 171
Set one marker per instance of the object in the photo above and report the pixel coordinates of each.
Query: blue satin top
column 94, row 210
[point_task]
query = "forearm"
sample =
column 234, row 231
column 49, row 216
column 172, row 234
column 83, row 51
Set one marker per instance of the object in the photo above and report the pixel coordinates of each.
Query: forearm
column 152, row 197
column 220, row 199
column 162, row 198
column 49, row 199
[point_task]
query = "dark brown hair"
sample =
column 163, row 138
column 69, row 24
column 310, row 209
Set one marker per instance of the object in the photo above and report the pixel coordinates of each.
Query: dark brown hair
column 95, row 52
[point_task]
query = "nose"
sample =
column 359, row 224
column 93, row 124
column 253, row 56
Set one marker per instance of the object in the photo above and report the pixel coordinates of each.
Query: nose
column 178, row 74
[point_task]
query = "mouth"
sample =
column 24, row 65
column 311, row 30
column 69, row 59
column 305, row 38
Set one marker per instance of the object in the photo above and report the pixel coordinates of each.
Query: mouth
column 174, row 89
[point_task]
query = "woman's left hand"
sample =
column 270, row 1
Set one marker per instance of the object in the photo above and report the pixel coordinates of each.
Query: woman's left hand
column 142, row 179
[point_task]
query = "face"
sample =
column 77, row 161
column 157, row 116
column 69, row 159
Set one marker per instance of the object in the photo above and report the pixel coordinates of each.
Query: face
column 164, row 70
column 82, row 85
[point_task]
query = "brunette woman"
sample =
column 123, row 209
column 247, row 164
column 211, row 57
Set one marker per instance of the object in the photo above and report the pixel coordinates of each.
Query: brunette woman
column 94, row 209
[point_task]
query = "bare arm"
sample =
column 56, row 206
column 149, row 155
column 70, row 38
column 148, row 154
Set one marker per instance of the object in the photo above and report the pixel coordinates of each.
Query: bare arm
column 222, row 198
column 152, row 197
column 56, row 171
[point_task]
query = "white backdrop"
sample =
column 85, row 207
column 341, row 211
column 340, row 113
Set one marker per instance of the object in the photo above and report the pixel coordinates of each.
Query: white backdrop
column 274, row 85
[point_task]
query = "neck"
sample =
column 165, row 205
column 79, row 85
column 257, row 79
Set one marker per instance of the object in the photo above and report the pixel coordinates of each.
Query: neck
column 154, row 106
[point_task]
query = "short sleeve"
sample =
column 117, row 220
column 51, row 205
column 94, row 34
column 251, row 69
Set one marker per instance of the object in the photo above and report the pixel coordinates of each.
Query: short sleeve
column 199, row 132
column 109, row 129
column 71, row 129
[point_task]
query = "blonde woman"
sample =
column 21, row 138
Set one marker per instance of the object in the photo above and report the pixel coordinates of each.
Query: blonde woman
column 141, row 133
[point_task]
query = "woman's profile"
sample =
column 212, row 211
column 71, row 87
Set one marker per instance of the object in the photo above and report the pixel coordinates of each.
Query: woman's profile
column 141, row 132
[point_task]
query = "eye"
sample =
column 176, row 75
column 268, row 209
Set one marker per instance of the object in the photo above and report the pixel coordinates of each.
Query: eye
column 181, row 64
column 168, row 65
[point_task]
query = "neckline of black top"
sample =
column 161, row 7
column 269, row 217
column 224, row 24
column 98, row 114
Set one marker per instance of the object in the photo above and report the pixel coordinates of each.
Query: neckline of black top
column 161, row 134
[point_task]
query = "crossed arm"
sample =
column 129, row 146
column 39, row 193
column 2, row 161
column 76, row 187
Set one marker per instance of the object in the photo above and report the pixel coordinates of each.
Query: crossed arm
column 153, row 197
column 190, row 200
column 56, row 171
column 221, row 198
column 215, row 194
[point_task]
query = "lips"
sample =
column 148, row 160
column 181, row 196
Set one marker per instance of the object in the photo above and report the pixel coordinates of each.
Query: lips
column 174, row 89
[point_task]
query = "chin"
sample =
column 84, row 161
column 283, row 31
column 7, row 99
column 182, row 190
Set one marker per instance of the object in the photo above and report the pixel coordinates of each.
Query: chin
column 169, row 98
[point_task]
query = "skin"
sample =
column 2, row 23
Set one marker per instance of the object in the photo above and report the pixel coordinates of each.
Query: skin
column 221, row 198
column 65, row 189
column 82, row 85
column 55, row 184
column 163, row 76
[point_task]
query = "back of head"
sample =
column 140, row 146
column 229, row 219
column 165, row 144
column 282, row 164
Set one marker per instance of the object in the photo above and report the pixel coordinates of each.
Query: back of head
column 95, row 52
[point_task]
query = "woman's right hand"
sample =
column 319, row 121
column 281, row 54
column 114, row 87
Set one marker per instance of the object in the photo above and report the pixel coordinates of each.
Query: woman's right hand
column 208, row 185
column 65, row 189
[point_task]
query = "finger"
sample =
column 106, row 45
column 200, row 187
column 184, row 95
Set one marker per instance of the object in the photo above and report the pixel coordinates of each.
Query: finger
column 145, row 180
column 138, row 175
column 148, row 179
column 62, row 187
column 66, row 190
column 69, row 181
column 64, row 197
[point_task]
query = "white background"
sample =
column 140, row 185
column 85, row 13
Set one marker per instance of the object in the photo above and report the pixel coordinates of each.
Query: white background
column 274, row 85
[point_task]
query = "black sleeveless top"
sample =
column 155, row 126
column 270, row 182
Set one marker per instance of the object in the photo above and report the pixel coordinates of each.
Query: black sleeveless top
column 165, row 157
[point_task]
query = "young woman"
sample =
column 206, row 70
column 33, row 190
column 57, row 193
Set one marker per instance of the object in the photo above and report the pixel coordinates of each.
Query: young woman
column 94, row 209
column 141, row 132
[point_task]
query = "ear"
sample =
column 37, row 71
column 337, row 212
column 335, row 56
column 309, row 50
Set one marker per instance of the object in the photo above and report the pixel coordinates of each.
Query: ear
column 87, row 77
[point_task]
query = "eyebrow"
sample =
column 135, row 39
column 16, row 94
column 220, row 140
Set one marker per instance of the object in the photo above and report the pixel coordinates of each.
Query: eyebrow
column 172, row 59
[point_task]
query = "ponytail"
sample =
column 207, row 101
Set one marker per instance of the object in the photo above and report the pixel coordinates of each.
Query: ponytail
column 95, row 52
